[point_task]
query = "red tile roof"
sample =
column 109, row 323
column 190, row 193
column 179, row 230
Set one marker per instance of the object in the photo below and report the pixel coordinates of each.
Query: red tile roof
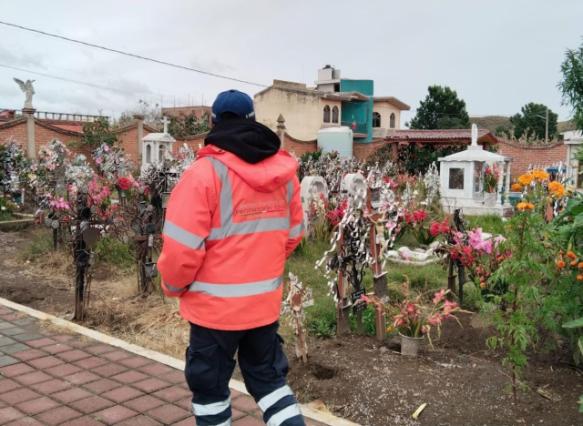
column 441, row 135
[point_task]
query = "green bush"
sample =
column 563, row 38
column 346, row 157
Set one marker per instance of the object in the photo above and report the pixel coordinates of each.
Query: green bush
column 321, row 318
column 114, row 252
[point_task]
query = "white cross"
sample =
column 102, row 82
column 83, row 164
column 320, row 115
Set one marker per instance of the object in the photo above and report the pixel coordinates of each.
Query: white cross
column 165, row 121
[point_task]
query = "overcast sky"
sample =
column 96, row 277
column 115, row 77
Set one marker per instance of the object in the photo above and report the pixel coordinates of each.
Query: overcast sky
column 497, row 54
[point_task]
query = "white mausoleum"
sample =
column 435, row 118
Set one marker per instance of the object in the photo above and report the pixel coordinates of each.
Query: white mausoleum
column 462, row 180
column 157, row 146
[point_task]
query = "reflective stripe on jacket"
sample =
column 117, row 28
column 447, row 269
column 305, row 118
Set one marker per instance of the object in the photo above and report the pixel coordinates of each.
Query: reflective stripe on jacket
column 229, row 228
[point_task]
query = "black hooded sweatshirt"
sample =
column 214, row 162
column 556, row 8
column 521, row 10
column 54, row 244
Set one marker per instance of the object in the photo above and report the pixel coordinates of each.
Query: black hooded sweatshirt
column 247, row 139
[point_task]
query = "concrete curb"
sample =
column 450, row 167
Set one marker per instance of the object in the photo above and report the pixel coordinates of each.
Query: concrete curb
column 320, row 416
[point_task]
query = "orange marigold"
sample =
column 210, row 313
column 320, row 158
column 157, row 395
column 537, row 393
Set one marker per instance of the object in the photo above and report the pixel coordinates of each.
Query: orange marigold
column 580, row 266
column 540, row 175
column 556, row 189
column 580, row 277
column 516, row 187
column 571, row 254
column 523, row 206
column 525, row 179
column 560, row 263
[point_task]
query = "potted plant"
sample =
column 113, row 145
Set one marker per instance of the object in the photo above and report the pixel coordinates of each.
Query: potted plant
column 416, row 318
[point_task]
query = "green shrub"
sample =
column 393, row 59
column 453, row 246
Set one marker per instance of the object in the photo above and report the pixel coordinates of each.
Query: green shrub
column 114, row 252
column 368, row 322
column 321, row 318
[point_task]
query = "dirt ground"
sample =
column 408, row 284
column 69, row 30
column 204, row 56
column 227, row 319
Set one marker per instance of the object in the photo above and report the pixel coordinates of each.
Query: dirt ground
column 354, row 377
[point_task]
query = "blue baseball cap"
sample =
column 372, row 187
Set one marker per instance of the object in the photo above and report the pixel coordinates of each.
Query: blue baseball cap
column 235, row 102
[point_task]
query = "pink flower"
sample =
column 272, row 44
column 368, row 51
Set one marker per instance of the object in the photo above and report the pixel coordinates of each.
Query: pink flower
column 439, row 296
column 448, row 308
column 411, row 309
column 435, row 319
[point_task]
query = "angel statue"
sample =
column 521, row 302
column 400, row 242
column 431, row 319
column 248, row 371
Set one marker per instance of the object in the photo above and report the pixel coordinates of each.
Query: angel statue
column 28, row 90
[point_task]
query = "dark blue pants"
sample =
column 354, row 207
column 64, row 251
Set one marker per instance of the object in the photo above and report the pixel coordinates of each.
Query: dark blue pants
column 210, row 361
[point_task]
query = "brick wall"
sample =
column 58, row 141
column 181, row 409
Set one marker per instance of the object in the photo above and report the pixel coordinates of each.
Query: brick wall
column 524, row 155
column 297, row 146
column 43, row 136
column 17, row 132
column 193, row 142
column 363, row 151
column 128, row 140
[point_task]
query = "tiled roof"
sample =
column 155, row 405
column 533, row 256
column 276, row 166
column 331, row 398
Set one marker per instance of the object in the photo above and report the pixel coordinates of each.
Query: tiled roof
column 441, row 135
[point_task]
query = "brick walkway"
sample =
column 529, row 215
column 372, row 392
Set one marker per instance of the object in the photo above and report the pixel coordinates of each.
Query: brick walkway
column 52, row 378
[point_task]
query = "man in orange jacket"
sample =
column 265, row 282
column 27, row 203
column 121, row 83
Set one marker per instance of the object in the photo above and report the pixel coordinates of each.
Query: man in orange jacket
column 232, row 220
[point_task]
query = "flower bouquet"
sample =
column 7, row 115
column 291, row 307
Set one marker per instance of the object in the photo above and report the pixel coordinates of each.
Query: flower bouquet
column 491, row 177
column 416, row 317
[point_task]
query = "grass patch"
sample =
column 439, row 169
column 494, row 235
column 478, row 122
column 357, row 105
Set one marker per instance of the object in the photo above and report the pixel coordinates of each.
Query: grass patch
column 422, row 278
column 492, row 224
column 114, row 252
column 40, row 244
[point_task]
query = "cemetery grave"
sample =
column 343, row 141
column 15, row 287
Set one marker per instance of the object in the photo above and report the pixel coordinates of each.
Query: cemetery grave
column 385, row 264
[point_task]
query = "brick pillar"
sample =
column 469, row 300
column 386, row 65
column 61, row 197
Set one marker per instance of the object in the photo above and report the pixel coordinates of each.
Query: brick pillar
column 140, row 119
column 30, row 139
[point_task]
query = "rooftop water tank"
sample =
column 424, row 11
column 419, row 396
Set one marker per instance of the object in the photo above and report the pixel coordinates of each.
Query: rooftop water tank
column 337, row 139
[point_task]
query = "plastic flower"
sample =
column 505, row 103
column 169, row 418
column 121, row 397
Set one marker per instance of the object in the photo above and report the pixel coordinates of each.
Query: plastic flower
column 124, row 183
column 523, row 206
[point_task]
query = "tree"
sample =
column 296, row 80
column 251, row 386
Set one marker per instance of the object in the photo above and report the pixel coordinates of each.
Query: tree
column 188, row 125
column 441, row 109
column 531, row 121
column 571, row 85
column 152, row 114
column 98, row 132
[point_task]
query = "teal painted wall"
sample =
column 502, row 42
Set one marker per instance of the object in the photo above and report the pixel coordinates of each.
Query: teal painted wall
column 359, row 111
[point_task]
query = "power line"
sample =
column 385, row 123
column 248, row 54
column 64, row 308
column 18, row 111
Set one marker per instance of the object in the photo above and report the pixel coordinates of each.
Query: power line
column 132, row 55
column 70, row 80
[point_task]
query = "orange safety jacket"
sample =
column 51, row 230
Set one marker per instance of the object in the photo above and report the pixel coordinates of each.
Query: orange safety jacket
column 229, row 228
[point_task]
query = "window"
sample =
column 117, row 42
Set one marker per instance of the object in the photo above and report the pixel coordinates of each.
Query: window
column 148, row 154
column 335, row 114
column 161, row 153
column 376, row 119
column 456, row 178
column 392, row 121
column 326, row 114
column 579, row 176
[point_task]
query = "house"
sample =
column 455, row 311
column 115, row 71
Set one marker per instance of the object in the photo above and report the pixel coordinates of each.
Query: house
column 333, row 102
